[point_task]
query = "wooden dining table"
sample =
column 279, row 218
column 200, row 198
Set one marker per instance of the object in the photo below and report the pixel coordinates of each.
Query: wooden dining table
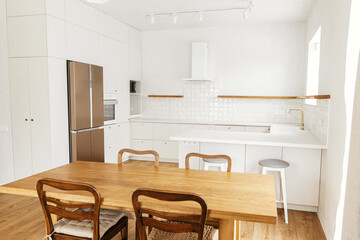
column 230, row 197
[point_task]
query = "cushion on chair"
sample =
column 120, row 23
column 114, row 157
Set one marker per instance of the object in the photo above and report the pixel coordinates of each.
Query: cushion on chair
column 218, row 160
column 84, row 228
column 210, row 233
column 274, row 163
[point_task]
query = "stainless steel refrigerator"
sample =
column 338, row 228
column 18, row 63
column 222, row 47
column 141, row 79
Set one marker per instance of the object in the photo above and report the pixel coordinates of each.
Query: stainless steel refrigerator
column 86, row 112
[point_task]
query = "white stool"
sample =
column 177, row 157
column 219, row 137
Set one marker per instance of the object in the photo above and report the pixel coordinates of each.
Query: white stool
column 220, row 163
column 276, row 165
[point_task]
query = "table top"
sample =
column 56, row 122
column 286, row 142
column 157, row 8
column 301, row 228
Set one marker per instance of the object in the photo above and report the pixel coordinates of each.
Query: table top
column 237, row 196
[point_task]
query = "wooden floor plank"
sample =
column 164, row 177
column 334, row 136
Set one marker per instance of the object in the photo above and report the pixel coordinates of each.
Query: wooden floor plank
column 22, row 218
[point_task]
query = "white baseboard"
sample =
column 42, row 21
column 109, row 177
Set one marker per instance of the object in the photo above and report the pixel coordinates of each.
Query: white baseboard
column 299, row 207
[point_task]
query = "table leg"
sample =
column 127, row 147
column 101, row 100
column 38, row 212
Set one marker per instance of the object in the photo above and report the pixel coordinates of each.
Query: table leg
column 229, row 229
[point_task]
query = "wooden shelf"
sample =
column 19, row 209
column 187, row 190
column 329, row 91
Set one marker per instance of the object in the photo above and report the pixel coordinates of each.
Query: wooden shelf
column 278, row 97
column 166, row 96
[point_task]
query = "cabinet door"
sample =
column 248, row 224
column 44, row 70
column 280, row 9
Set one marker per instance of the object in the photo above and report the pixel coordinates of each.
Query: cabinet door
column 254, row 154
column 111, row 153
column 142, row 130
column 134, row 63
column 258, row 129
column 235, row 151
column 19, row 92
column 303, row 175
column 110, row 134
column 142, row 145
column 231, row 128
column 123, row 136
column 185, row 127
column 164, row 131
column 40, row 114
column 167, row 150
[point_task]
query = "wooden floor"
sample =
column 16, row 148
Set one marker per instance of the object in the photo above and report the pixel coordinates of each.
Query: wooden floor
column 22, row 218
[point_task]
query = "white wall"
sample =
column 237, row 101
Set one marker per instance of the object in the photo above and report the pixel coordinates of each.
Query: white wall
column 6, row 157
column 261, row 59
column 334, row 17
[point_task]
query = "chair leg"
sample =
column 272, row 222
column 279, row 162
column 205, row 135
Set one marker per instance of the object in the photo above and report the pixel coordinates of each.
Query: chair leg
column 283, row 188
column 124, row 232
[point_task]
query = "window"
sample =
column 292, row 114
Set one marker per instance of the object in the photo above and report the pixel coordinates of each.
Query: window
column 312, row 82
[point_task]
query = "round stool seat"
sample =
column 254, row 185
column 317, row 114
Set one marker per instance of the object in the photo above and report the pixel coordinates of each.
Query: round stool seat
column 218, row 160
column 274, row 163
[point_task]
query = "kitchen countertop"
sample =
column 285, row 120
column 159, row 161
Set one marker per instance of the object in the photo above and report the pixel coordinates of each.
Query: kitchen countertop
column 154, row 120
column 293, row 138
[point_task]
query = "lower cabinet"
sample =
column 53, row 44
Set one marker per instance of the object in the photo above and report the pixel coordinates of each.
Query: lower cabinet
column 116, row 137
column 168, row 150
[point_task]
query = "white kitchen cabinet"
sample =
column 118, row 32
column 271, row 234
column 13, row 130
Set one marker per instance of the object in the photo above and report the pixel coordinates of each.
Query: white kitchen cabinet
column 30, row 115
column 134, row 58
column 196, row 127
column 186, row 147
column 303, row 175
column 256, row 153
column 167, row 149
column 141, row 130
column 258, row 129
column 163, row 131
column 27, row 36
column 142, row 144
column 20, row 114
column 235, row 151
column 116, row 137
column 230, row 128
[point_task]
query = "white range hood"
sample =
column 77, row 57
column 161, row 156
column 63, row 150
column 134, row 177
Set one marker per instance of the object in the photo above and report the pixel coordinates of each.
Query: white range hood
column 199, row 62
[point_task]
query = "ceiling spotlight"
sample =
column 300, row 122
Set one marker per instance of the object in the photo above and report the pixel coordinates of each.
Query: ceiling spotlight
column 201, row 16
column 152, row 19
column 246, row 14
column 175, row 18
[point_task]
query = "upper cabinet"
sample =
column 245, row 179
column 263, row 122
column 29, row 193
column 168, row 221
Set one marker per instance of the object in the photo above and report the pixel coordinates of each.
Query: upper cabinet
column 134, row 63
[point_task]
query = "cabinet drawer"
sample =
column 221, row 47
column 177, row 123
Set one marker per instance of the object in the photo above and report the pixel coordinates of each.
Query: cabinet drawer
column 164, row 131
column 167, row 149
column 111, row 134
column 142, row 144
column 258, row 129
column 230, row 128
column 142, row 130
column 197, row 127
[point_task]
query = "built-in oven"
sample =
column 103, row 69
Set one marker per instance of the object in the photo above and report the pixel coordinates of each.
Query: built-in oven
column 110, row 109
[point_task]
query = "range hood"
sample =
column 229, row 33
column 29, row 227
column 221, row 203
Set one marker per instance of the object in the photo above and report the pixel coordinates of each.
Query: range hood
column 199, row 62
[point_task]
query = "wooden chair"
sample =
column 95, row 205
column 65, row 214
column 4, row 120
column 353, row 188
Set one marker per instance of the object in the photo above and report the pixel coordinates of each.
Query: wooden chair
column 171, row 224
column 138, row 152
column 95, row 223
column 211, row 160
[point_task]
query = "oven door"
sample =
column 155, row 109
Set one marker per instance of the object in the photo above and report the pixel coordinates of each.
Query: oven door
column 110, row 109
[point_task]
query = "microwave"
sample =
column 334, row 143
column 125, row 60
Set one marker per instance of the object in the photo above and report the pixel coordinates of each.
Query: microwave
column 110, row 109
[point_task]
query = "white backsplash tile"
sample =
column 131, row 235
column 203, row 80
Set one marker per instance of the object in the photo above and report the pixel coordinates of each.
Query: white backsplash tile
column 200, row 103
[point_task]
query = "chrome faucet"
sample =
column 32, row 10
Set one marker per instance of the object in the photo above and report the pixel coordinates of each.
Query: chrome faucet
column 302, row 116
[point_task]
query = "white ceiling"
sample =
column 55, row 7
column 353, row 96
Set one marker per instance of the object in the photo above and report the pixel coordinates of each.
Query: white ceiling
column 133, row 12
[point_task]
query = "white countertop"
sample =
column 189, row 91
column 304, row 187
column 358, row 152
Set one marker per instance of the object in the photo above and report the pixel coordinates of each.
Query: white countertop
column 297, row 139
column 154, row 120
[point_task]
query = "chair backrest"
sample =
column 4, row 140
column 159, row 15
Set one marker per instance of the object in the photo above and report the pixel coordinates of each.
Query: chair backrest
column 138, row 152
column 58, row 207
column 181, row 222
column 188, row 156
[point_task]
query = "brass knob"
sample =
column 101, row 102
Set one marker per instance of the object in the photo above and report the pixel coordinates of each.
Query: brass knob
column 109, row 147
column 32, row 119
column 142, row 141
column 115, row 90
column 119, row 125
column 26, row 119
column 165, row 142
column 109, row 127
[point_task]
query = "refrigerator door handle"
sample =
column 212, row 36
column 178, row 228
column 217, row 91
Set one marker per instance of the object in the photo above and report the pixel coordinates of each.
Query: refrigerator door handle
column 86, row 130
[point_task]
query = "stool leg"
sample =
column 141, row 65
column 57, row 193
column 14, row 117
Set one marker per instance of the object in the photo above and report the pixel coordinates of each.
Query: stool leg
column 264, row 170
column 283, row 188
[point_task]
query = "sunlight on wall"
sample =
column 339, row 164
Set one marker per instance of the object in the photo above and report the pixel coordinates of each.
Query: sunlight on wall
column 353, row 48
column 313, row 67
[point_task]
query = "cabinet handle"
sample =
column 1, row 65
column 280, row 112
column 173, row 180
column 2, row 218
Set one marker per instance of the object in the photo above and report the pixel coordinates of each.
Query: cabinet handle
column 109, row 127
column 32, row 120
column 115, row 90
column 142, row 141
column 165, row 143
column 119, row 125
column 229, row 127
column 26, row 119
column 109, row 147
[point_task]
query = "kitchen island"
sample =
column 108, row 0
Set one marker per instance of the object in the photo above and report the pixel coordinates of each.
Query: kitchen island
column 300, row 148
